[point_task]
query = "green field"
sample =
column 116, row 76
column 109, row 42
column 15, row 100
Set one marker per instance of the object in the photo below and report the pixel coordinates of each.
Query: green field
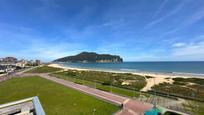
column 43, row 69
column 136, row 82
column 55, row 98
column 103, row 80
column 110, row 82
column 108, row 88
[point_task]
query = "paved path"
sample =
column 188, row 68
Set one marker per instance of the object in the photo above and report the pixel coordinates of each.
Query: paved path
column 130, row 107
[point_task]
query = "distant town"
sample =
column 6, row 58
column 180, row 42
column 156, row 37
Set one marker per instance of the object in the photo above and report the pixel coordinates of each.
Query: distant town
column 9, row 65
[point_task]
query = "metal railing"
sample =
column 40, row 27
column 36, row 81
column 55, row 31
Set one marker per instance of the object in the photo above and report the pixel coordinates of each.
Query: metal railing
column 36, row 103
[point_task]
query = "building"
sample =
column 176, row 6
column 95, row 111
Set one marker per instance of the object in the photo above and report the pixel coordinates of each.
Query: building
column 2, row 69
column 38, row 62
column 10, row 64
column 21, row 63
column 9, row 60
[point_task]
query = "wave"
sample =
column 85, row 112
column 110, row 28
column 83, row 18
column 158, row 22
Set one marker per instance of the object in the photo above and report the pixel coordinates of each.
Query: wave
column 143, row 68
column 129, row 70
column 167, row 73
column 185, row 73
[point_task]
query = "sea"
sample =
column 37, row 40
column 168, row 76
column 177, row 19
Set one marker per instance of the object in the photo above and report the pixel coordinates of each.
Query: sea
column 187, row 68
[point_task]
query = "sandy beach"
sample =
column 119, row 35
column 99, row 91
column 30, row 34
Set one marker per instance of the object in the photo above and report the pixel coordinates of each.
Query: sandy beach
column 157, row 78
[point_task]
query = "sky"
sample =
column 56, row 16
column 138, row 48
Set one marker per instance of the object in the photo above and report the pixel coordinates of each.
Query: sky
column 137, row 30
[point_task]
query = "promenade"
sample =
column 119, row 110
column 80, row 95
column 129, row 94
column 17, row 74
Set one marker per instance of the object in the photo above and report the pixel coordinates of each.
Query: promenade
column 130, row 106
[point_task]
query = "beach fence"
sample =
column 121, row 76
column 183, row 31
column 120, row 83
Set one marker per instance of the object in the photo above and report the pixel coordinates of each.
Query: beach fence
column 186, row 100
column 168, row 103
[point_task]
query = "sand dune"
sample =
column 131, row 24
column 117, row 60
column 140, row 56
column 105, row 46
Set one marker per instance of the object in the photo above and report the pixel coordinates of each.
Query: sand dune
column 157, row 77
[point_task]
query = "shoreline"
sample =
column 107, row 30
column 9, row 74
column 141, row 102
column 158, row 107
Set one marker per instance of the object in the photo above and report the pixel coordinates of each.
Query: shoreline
column 157, row 77
column 142, row 73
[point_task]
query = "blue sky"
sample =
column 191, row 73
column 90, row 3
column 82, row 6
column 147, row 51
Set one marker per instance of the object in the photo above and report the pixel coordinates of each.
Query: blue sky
column 137, row 30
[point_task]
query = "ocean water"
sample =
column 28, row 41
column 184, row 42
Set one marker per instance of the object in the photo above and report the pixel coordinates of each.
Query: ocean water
column 196, row 68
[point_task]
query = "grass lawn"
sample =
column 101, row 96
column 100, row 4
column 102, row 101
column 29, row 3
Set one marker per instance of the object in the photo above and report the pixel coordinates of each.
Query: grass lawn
column 44, row 69
column 116, row 90
column 108, row 78
column 55, row 98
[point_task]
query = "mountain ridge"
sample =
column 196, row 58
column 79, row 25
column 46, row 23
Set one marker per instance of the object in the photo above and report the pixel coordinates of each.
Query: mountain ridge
column 86, row 57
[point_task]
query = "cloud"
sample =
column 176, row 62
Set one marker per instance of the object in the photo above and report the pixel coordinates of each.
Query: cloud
column 190, row 51
column 160, row 8
column 23, row 42
column 197, row 16
column 158, row 20
column 194, row 18
column 114, row 27
column 44, row 50
column 180, row 44
column 49, row 51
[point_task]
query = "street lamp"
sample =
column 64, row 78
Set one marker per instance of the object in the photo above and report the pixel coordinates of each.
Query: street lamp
column 95, row 83
column 94, row 110
column 83, row 80
column 135, row 91
column 111, row 83
column 154, row 100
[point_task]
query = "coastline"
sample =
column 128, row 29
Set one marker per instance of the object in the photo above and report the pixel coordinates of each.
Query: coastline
column 157, row 77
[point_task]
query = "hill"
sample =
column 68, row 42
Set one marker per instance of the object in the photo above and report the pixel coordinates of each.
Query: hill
column 86, row 57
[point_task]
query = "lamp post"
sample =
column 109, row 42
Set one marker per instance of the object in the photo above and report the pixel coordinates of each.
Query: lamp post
column 154, row 100
column 111, row 80
column 135, row 91
column 94, row 110
column 168, row 96
column 83, row 80
column 95, row 83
